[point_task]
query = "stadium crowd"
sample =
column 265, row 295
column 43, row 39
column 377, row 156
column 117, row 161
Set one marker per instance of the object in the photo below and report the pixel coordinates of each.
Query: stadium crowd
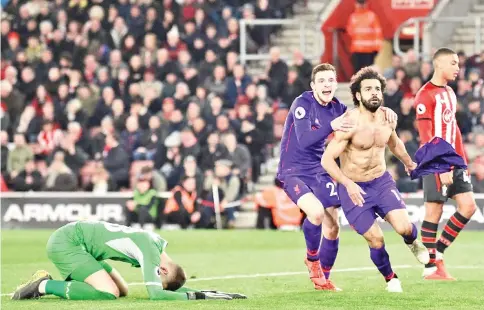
column 97, row 95
column 149, row 95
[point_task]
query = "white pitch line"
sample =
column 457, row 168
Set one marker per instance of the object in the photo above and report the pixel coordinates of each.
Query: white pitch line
column 294, row 273
column 276, row 274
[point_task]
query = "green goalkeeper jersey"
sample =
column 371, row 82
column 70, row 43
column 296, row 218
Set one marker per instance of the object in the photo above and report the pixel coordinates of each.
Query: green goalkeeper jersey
column 137, row 247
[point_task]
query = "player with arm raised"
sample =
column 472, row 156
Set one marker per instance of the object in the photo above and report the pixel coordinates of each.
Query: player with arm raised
column 79, row 251
column 435, row 106
column 313, row 116
column 366, row 190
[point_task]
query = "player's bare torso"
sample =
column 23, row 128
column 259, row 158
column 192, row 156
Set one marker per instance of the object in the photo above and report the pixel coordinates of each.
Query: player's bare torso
column 364, row 157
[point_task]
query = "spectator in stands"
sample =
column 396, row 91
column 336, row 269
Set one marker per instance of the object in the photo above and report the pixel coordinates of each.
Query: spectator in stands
column 24, row 123
column 415, row 84
column 401, row 79
column 276, row 75
column 103, row 107
column 212, row 152
column 463, row 92
column 18, row 156
column 80, row 136
column 74, row 157
column 60, row 177
column 172, row 167
column 182, row 207
column 12, row 102
column 143, row 208
column 229, row 188
column 116, row 160
column 216, row 84
column 213, row 110
column 139, row 111
column 476, row 62
column 294, row 87
column 406, row 115
column 254, row 139
column 304, row 68
column 48, row 139
column 412, row 64
column 28, row 179
column 476, row 148
column 85, row 68
column 366, row 35
column 119, row 115
column 426, row 72
column 158, row 182
column 393, row 95
column 255, row 38
column 389, row 73
column 149, row 81
column 236, row 85
column 4, row 118
column 191, row 169
column 478, row 175
column 275, row 209
column 223, row 123
column 476, row 109
column 101, row 182
column 4, row 151
column 239, row 155
column 75, row 113
column 190, row 145
column 131, row 139
column 404, row 183
column 151, row 138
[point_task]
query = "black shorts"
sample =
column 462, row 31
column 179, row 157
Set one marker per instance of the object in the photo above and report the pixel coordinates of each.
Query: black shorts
column 435, row 192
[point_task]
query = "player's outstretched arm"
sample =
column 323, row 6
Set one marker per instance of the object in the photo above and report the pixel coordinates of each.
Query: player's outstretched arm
column 156, row 292
column 152, row 278
column 233, row 295
column 398, row 149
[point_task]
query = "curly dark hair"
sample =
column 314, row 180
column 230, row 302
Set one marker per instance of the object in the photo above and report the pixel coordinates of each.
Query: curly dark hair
column 367, row 73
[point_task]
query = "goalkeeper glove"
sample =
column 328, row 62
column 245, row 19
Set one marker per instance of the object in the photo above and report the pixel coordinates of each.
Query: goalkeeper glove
column 233, row 295
column 207, row 295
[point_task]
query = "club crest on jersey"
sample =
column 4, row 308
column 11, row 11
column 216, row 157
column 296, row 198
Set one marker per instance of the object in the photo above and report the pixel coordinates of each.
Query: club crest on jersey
column 299, row 112
column 158, row 271
column 421, row 108
column 448, row 116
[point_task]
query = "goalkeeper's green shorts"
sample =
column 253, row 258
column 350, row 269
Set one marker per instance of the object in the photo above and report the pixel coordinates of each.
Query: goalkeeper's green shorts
column 70, row 256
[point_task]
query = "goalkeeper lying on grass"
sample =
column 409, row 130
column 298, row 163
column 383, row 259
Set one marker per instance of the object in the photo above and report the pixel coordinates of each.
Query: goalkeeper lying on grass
column 79, row 249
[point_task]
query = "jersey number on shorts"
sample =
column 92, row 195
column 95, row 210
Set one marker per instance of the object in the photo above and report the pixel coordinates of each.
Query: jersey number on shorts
column 466, row 177
column 332, row 187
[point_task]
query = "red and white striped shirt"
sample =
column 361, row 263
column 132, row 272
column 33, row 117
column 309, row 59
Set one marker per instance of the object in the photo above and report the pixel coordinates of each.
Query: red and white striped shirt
column 435, row 109
column 48, row 140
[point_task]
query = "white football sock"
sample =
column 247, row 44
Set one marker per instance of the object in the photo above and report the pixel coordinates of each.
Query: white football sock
column 42, row 287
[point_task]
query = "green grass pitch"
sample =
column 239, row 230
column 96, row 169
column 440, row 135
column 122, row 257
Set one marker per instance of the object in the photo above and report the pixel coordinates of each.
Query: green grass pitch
column 268, row 267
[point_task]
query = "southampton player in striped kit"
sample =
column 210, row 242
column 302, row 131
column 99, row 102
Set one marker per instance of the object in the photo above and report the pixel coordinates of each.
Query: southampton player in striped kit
column 435, row 106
